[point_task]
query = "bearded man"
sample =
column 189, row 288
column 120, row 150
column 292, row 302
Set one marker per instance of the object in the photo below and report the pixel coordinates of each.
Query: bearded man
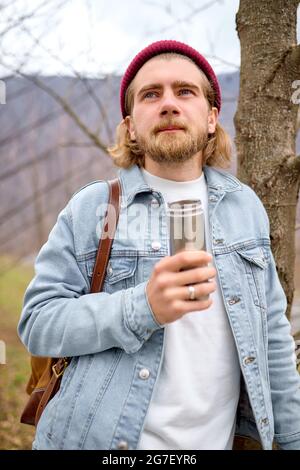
column 178, row 351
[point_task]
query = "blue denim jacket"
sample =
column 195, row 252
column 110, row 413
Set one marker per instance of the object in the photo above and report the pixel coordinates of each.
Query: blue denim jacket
column 113, row 335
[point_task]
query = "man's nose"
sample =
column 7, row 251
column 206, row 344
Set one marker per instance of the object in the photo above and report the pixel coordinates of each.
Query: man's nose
column 169, row 105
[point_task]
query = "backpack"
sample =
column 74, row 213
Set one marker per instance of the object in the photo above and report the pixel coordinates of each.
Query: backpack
column 47, row 372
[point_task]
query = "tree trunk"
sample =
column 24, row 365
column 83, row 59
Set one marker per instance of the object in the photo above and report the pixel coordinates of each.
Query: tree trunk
column 266, row 120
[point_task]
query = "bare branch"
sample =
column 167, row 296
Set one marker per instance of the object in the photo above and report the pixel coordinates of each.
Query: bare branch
column 225, row 62
column 37, row 159
column 9, row 4
column 184, row 19
column 28, row 54
column 40, row 121
column 41, row 192
column 59, row 99
column 51, row 209
column 167, row 8
column 65, row 107
column 84, row 80
column 29, row 223
column 25, row 253
column 23, row 18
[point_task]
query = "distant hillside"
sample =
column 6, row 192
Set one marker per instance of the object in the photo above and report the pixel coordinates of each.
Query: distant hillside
column 40, row 170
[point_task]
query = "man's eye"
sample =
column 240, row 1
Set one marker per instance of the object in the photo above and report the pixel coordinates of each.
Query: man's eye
column 185, row 91
column 149, row 94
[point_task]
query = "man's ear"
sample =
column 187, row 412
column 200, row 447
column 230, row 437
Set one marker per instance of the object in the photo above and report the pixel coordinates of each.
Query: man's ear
column 212, row 120
column 130, row 127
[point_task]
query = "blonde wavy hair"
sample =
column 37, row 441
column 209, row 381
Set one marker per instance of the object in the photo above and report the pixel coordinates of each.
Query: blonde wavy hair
column 126, row 152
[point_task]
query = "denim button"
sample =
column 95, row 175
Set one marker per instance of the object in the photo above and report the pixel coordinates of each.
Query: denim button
column 123, row 445
column 218, row 241
column 156, row 246
column 109, row 269
column 234, row 300
column 264, row 421
column 213, row 199
column 247, row 360
column 144, row 374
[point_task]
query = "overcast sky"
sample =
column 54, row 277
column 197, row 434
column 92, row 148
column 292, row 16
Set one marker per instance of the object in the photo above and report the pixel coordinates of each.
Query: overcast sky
column 101, row 36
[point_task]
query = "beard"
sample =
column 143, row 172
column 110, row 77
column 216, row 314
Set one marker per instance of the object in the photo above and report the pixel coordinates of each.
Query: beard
column 171, row 147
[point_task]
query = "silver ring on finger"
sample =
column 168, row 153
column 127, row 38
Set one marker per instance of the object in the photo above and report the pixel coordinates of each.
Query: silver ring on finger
column 192, row 292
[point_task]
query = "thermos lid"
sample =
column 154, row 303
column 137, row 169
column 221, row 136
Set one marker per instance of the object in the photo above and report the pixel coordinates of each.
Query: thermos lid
column 184, row 207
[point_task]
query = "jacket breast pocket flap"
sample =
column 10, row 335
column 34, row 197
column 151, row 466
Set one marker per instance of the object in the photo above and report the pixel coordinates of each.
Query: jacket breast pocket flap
column 120, row 268
column 120, row 273
column 254, row 264
column 255, row 256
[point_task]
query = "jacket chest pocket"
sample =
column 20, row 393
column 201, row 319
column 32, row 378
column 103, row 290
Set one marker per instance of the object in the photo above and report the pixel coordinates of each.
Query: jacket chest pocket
column 120, row 273
column 254, row 263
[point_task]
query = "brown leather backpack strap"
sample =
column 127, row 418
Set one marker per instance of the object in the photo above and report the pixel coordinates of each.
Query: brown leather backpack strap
column 105, row 243
column 107, row 237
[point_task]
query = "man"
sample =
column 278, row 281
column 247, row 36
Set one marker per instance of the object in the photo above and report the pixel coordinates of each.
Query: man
column 151, row 367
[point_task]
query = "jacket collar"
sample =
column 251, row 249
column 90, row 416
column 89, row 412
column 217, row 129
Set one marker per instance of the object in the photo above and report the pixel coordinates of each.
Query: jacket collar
column 220, row 180
column 133, row 182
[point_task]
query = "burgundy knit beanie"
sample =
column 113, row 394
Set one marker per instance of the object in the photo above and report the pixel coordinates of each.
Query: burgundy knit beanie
column 159, row 47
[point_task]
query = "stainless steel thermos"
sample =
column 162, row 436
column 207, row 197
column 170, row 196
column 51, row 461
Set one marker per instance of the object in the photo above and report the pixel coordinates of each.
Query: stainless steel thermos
column 186, row 225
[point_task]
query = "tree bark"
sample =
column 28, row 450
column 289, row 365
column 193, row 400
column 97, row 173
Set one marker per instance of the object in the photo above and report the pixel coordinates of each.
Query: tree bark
column 266, row 120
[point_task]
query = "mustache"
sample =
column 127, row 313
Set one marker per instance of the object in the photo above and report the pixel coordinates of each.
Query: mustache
column 164, row 124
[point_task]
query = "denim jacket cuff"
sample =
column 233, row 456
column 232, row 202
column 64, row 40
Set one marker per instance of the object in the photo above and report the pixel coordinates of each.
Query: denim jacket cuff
column 140, row 317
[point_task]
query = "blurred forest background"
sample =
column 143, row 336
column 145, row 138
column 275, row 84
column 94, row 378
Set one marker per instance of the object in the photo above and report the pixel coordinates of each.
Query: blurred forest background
column 54, row 130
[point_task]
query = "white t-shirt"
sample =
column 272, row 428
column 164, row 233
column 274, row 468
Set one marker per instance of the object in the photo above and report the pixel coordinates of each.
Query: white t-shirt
column 195, row 397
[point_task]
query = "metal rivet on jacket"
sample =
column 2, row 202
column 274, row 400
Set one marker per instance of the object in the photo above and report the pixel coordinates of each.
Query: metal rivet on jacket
column 234, row 300
column 155, row 246
column 247, row 360
column 123, row 445
column 218, row 241
column 144, row 374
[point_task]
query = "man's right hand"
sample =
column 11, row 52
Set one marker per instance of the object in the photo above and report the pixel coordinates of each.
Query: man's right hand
column 167, row 290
